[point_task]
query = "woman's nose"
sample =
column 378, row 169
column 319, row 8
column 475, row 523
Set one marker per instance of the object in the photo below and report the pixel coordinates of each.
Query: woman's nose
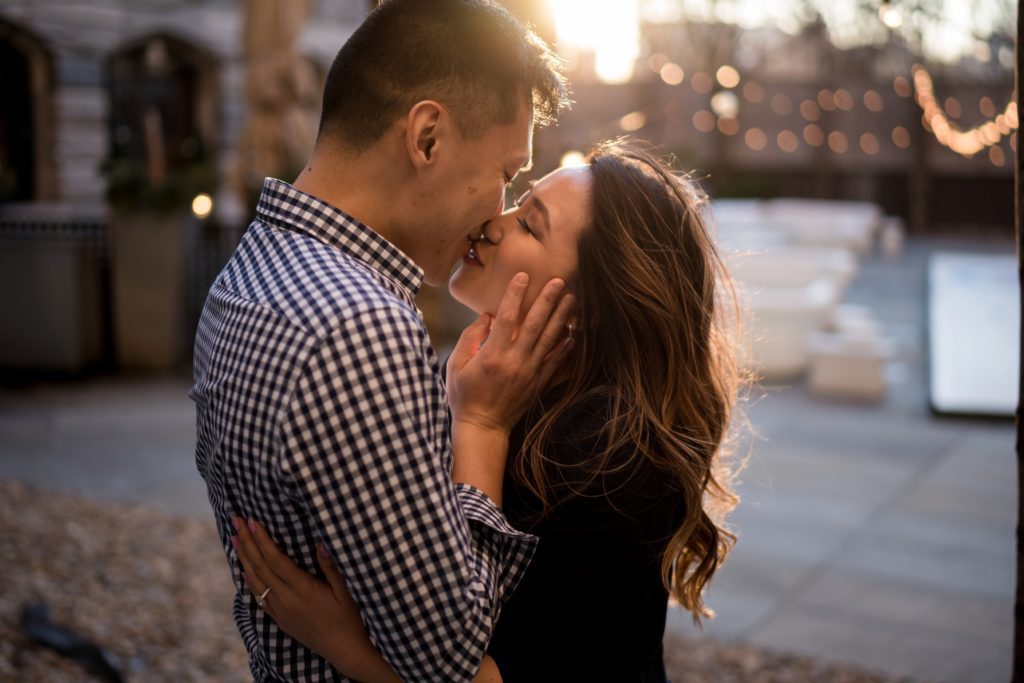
column 492, row 231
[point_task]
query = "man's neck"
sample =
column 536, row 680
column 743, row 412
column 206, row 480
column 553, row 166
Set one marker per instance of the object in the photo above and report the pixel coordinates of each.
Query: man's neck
column 364, row 185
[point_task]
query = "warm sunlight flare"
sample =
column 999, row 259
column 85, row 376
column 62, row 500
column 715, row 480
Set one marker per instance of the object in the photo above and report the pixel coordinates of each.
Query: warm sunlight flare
column 890, row 16
column 610, row 33
column 573, row 158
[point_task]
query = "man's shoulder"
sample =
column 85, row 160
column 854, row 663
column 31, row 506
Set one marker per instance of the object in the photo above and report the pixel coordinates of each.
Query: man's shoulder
column 317, row 287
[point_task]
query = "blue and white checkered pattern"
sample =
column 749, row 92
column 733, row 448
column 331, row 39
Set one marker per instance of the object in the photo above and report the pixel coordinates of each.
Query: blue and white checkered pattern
column 322, row 414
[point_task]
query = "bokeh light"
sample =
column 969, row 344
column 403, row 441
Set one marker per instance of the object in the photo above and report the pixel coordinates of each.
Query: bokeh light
column 701, row 82
column 704, row 121
column 838, row 142
column 633, row 121
column 869, row 144
column 901, row 137
column 753, row 92
column 671, row 73
column 727, row 76
column 843, row 99
column 202, row 205
column 809, row 110
column 902, row 86
column 890, row 16
column 787, row 141
column 725, row 103
column 814, row 135
column 755, row 139
column 728, row 125
column 873, row 101
column 573, row 157
column 826, row 100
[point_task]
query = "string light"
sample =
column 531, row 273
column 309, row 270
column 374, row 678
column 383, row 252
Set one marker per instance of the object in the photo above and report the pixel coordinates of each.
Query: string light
column 843, row 100
column 753, row 92
column 809, row 110
column 964, row 142
column 755, row 139
column 814, row 135
column 936, row 116
column 837, row 142
column 702, row 83
column 787, row 141
column 873, row 101
column 704, row 121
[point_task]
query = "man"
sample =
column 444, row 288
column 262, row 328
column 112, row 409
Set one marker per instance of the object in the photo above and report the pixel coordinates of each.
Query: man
column 320, row 406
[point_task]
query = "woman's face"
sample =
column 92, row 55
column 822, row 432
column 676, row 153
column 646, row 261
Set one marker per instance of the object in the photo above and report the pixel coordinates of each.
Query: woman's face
column 539, row 236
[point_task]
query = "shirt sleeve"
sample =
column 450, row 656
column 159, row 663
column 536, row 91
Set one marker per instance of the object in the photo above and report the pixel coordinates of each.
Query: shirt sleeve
column 428, row 563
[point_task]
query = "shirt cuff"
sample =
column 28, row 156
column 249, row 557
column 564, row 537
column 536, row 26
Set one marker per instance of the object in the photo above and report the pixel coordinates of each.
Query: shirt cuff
column 511, row 549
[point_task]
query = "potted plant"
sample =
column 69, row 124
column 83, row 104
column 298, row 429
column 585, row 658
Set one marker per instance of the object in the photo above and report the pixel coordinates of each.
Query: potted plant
column 150, row 217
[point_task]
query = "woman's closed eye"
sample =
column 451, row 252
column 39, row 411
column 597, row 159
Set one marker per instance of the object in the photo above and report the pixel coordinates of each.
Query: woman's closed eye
column 519, row 204
column 526, row 226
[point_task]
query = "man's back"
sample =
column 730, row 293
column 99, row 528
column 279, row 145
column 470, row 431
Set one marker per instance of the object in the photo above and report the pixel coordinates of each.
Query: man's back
column 321, row 413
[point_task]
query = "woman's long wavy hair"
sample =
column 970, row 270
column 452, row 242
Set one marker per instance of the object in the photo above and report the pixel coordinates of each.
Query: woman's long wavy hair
column 656, row 327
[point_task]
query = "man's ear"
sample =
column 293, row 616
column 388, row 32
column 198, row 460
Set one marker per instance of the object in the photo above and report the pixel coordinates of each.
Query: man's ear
column 428, row 123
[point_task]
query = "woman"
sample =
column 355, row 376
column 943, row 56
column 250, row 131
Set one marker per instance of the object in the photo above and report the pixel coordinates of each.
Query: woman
column 618, row 467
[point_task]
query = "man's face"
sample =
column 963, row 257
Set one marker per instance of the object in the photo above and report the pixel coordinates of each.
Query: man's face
column 470, row 190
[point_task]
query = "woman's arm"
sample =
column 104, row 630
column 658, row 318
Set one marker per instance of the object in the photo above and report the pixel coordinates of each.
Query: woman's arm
column 321, row 616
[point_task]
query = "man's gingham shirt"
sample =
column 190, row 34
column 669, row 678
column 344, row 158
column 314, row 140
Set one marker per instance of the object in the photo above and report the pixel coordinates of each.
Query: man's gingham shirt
column 322, row 414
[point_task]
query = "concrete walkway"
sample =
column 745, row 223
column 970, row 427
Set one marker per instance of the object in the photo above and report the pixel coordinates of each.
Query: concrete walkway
column 877, row 535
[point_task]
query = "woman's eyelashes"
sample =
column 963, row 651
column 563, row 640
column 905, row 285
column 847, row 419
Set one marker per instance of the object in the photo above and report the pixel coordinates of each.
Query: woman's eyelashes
column 522, row 222
column 519, row 204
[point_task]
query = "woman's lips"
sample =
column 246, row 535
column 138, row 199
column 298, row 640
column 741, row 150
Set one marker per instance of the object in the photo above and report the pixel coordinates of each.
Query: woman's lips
column 471, row 257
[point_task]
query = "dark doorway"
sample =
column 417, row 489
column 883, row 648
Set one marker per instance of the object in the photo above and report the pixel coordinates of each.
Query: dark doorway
column 17, row 137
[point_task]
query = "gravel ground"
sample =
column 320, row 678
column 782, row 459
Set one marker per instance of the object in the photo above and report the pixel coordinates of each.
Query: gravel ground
column 153, row 590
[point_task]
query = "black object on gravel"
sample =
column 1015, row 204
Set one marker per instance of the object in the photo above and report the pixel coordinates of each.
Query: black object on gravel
column 37, row 625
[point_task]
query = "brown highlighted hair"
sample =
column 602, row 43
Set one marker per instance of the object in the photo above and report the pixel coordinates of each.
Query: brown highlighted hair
column 472, row 56
column 657, row 318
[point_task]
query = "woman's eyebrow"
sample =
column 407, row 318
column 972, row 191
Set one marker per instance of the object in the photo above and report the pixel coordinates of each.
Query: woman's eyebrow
column 527, row 196
column 543, row 210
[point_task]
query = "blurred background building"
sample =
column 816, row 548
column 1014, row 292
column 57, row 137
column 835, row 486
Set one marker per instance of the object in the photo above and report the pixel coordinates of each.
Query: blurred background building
column 859, row 155
column 135, row 136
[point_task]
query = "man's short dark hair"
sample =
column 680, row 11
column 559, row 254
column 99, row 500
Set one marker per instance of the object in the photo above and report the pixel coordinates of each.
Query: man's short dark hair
column 472, row 56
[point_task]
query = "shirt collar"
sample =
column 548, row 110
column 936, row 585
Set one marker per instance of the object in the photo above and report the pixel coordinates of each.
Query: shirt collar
column 283, row 206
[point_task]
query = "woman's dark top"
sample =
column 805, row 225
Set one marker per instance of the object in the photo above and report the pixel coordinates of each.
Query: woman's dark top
column 591, row 606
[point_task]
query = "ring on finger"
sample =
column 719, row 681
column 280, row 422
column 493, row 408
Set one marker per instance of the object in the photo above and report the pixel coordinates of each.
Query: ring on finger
column 261, row 599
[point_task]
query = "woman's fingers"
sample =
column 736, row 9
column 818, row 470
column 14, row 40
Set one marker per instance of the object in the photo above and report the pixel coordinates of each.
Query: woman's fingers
column 330, row 570
column 507, row 315
column 555, row 333
column 539, row 318
column 280, row 564
column 253, row 579
column 257, row 562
